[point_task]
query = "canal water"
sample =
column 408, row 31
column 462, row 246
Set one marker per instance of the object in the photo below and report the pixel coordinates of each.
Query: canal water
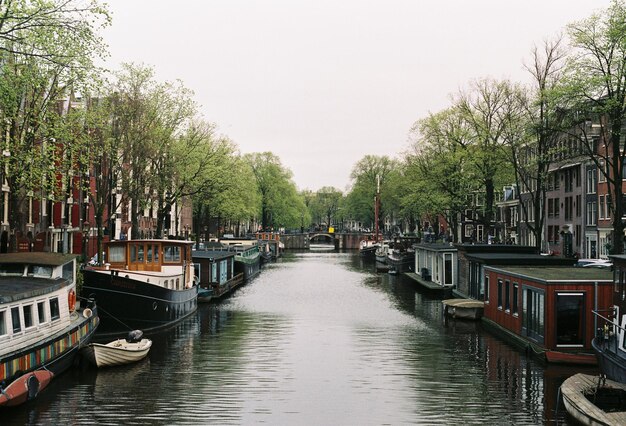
column 318, row 338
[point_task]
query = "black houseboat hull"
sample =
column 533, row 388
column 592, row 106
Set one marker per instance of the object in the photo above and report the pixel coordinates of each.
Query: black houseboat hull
column 611, row 363
column 400, row 263
column 126, row 304
column 248, row 267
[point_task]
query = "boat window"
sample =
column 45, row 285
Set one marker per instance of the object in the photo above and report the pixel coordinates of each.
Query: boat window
column 118, row 254
column 165, row 284
column 140, row 254
column 3, row 323
column 15, row 318
column 499, row 294
column 515, row 298
column 55, row 313
column 40, row 271
column 28, row 316
column 41, row 312
column 149, row 254
column 12, row 270
column 507, row 295
column 68, row 271
column 486, row 288
column 171, row 254
column 133, row 253
column 177, row 283
column 155, row 252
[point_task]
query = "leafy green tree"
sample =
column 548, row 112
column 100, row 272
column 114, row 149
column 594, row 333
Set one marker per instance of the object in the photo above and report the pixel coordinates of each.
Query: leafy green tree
column 439, row 173
column 533, row 130
column 325, row 205
column 366, row 175
column 281, row 204
column 46, row 52
column 486, row 108
column 596, row 89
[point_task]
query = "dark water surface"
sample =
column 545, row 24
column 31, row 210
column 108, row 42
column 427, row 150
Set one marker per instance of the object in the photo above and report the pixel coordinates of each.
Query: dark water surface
column 317, row 338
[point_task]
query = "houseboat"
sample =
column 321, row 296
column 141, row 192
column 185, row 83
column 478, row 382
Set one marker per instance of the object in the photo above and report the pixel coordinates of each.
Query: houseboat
column 270, row 245
column 436, row 266
column 547, row 310
column 609, row 343
column 144, row 284
column 247, row 260
column 42, row 326
column 215, row 270
column 400, row 257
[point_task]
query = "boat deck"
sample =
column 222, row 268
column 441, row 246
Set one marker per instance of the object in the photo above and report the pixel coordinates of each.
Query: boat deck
column 429, row 285
column 573, row 390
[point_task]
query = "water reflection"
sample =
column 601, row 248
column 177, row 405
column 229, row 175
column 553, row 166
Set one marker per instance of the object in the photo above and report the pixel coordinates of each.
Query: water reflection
column 317, row 338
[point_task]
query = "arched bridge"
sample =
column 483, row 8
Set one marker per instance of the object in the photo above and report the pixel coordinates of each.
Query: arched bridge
column 321, row 237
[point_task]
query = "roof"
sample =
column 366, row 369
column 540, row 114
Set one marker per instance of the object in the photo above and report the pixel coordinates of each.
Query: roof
column 13, row 289
column 37, row 258
column 435, row 247
column 557, row 273
column 495, row 248
column 519, row 259
column 212, row 254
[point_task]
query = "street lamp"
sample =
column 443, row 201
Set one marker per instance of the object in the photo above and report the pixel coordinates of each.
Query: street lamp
column 85, row 231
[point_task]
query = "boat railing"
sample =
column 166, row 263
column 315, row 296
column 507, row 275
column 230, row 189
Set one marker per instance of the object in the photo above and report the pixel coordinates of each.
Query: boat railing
column 607, row 334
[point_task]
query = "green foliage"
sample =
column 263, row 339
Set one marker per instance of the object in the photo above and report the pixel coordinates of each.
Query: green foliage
column 281, row 205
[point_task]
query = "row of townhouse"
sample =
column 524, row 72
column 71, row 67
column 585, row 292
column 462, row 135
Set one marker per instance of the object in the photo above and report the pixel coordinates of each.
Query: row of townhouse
column 578, row 219
column 68, row 225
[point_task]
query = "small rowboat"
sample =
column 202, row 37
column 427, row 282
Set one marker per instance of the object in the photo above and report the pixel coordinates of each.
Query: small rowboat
column 118, row 352
column 25, row 387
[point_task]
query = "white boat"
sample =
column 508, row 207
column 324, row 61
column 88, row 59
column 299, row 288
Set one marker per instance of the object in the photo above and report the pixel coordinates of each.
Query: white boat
column 463, row 308
column 594, row 400
column 118, row 352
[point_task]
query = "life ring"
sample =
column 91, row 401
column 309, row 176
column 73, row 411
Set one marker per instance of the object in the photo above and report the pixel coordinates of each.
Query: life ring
column 71, row 300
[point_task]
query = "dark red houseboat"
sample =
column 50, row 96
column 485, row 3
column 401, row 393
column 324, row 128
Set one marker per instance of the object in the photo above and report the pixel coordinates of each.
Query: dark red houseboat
column 548, row 310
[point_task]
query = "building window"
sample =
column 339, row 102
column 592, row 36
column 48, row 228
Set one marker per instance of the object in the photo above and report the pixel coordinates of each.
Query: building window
column 568, row 207
column 591, row 181
column 499, row 294
column 579, row 204
column 601, row 171
column 592, row 213
column 601, row 210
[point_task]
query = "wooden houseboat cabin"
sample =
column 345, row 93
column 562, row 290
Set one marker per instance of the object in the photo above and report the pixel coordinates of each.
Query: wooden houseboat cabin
column 436, row 263
column 215, row 270
column 547, row 309
column 473, row 258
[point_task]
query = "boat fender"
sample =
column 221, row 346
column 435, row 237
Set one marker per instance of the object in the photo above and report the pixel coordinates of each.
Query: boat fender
column 87, row 313
column 32, row 384
column 134, row 336
column 71, row 300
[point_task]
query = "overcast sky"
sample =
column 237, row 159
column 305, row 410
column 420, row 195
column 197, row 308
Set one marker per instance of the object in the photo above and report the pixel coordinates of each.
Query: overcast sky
column 322, row 83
